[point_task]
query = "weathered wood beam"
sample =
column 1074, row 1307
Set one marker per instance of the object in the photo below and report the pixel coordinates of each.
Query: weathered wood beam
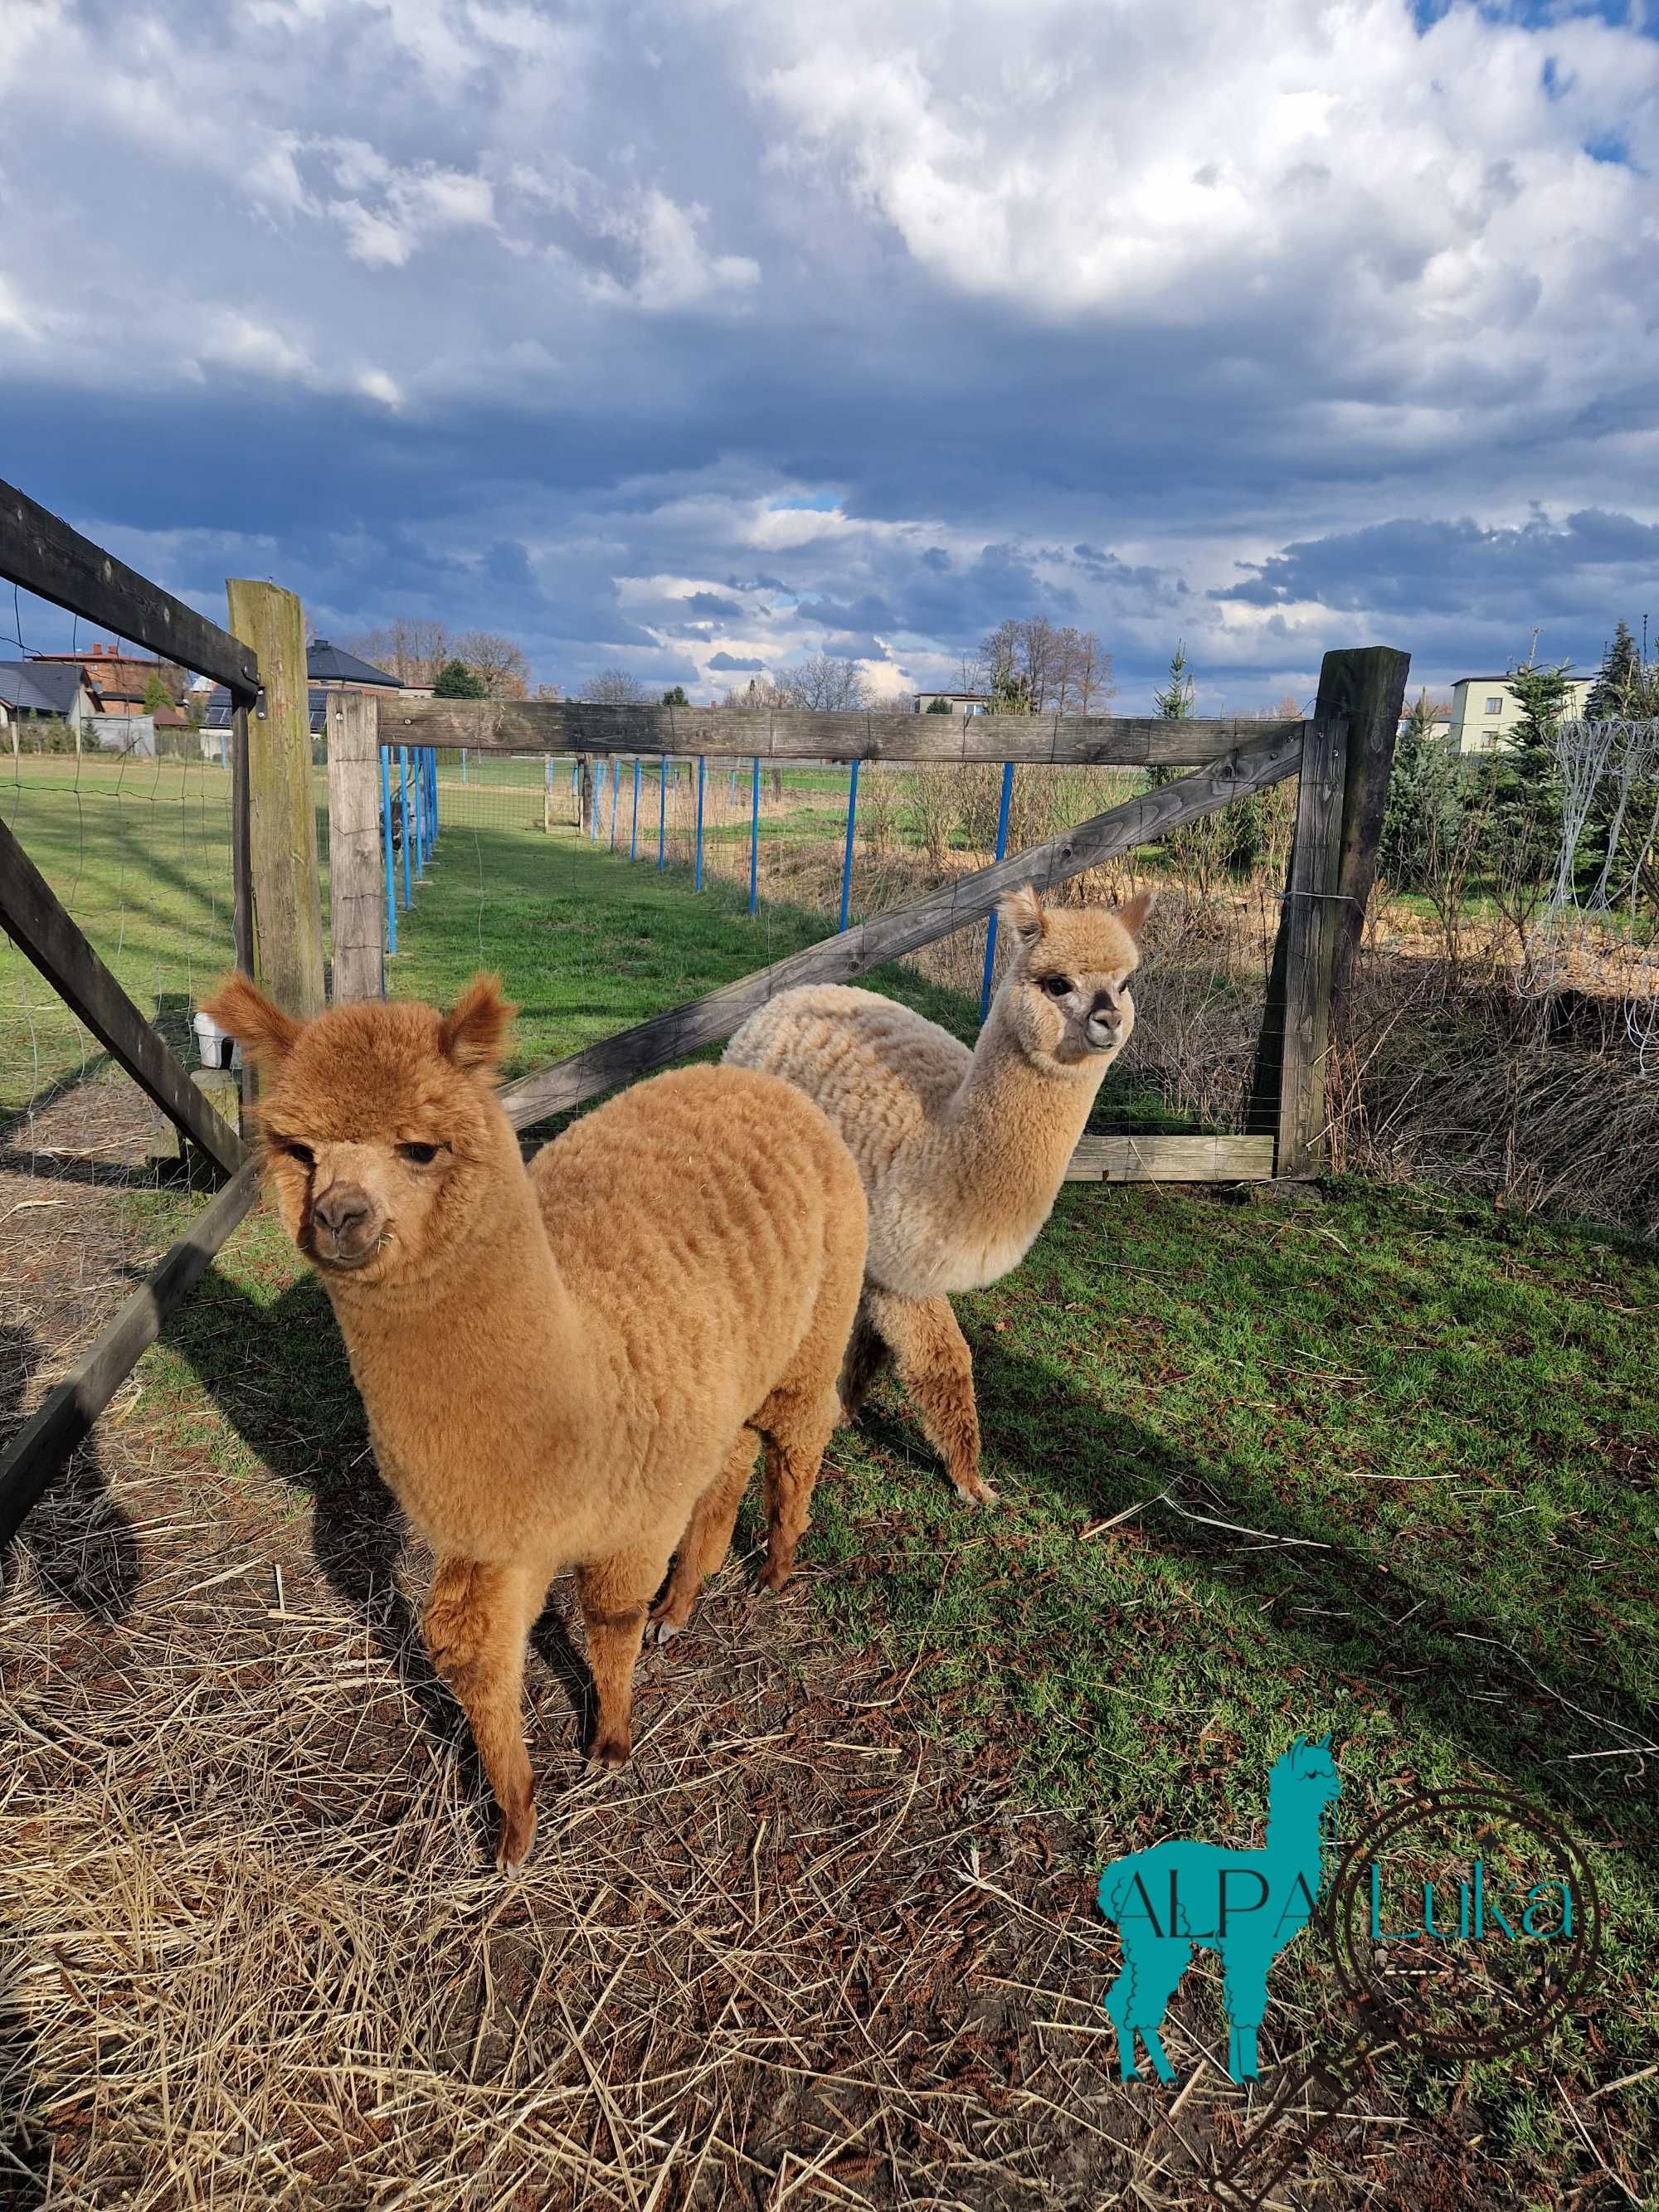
column 1172, row 1159
column 357, row 873
column 43, row 929
column 44, row 1443
column 1265, row 760
column 1368, row 688
column 40, row 551
column 286, row 878
column 565, row 726
column 1333, row 865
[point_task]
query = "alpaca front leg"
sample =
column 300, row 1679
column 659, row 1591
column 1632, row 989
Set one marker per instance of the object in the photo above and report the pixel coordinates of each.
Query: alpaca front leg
column 707, row 1541
column 936, row 1370
column 614, row 1595
column 477, row 1621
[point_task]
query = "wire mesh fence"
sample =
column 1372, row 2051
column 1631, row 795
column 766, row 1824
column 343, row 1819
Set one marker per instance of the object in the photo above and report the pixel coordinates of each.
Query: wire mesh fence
column 606, row 889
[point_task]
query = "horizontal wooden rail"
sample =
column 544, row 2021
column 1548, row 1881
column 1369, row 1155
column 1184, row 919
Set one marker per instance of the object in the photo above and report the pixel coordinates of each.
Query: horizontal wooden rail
column 1172, row 1159
column 40, row 551
column 44, row 1443
column 567, row 725
column 1267, row 760
column 42, row 927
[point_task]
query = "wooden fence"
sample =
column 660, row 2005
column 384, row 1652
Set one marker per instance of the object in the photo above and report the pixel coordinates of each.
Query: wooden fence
column 1342, row 755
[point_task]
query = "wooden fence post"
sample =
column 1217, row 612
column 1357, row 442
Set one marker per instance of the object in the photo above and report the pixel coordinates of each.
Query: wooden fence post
column 357, row 876
column 1370, row 687
column 1346, row 755
column 287, row 917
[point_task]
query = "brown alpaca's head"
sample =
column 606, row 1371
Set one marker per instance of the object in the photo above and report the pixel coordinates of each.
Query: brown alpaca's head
column 1065, row 993
column 380, row 1125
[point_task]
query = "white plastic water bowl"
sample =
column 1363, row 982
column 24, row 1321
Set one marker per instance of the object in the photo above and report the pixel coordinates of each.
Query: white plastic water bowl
column 215, row 1048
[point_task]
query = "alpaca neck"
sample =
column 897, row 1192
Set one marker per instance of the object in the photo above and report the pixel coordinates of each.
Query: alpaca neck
column 493, row 1304
column 1015, row 1117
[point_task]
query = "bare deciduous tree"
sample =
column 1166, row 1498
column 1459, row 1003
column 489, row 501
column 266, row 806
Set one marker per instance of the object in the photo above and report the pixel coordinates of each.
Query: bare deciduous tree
column 411, row 648
column 614, row 687
column 502, row 663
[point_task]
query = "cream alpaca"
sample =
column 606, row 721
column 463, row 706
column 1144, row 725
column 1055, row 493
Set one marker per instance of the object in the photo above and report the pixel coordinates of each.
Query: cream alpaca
column 963, row 1154
column 558, row 1364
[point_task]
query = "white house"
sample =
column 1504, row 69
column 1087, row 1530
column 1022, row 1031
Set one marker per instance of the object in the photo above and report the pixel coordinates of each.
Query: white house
column 959, row 703
column 1484, row 709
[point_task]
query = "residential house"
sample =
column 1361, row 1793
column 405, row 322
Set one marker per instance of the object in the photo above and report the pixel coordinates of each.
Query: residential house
column 959, row 703
column 1484, row 709
column 37, row 691
column 330, row 668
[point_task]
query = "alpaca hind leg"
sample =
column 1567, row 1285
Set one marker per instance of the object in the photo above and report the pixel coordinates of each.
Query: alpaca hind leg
column 614, row 1595
column 796, row 1425
column 476, row 1621
column 867, row 1352
column 708, row 1538
column 936, row 1370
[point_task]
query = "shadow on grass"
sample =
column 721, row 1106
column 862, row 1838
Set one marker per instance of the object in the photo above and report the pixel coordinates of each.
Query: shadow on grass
column 280, row 1378
column 1461, row 1665
column 80, row 1540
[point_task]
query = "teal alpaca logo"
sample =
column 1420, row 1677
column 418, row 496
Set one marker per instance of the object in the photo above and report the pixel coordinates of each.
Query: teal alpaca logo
column 1245, row 1904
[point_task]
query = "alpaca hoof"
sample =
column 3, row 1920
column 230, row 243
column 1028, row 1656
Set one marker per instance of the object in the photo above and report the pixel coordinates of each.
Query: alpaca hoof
column 611, row 1752
column 773, row 1578
column 518, row 1834
column 664, row 1628
column 973, row 1490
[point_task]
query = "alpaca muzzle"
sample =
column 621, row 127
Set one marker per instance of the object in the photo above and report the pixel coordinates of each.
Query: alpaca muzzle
column 345, row 1226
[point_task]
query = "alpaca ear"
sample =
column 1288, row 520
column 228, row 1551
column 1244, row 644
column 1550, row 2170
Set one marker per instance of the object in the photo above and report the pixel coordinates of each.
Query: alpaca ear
column 264, row 1032
column 1134, row 912
column 1022, row 911
column 473, row 1033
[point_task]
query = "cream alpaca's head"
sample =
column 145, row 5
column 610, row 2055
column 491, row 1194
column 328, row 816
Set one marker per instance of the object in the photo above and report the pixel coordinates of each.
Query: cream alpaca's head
column 380, row 1125
column 1065, row 994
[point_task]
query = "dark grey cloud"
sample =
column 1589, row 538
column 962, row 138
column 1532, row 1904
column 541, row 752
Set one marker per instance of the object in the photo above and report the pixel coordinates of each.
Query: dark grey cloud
column 729, row 664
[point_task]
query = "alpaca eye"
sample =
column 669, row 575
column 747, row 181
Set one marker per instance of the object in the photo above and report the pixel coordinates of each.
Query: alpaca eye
column 1057, row 987
column 421, row 1156
column 303, row 1153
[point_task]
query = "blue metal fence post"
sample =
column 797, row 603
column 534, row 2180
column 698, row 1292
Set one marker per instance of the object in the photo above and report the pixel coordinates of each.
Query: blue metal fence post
column 663, row 766
column 701, row 766
column 991, row 926
column 634, row 826
column 402, row 776
column 432, row 779
column 616, row 787
column 420, row 811
column 463, row 764
column 385, row 833
column 754, row 838
column 594, row 795
column 847, row 857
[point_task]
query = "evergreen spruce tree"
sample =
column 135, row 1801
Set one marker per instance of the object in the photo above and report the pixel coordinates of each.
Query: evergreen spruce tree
column 1619, row 681
column 455, row 680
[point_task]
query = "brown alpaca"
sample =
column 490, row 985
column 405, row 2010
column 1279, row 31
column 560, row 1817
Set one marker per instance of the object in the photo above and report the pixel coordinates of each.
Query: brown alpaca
column 558, row 1364
column 962, row 1153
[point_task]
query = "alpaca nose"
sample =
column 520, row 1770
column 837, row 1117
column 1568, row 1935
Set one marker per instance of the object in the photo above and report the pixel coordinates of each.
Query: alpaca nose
column 1106, row 1012
column 341, row 1210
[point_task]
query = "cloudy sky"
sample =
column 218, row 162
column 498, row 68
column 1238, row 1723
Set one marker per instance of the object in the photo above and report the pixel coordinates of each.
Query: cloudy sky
column 692, row 335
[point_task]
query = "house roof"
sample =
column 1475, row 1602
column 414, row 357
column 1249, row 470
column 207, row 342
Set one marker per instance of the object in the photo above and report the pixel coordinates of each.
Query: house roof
column 39, row 688
column 215, row 714
column 1572, row 675
column 333, row 664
